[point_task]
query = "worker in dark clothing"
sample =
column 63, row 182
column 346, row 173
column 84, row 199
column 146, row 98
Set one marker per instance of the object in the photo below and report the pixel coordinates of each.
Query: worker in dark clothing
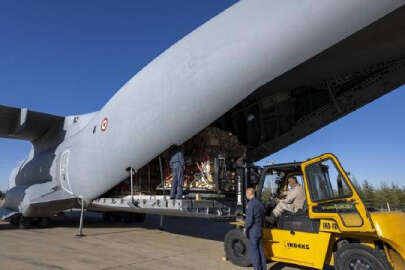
column 176, row 162
column 253, row 230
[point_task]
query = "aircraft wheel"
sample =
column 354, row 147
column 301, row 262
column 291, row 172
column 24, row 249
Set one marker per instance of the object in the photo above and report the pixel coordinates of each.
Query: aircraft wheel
column 139, row 217
column 236, row 248
column 15, row 220
column 25, row 222
column 357, row 256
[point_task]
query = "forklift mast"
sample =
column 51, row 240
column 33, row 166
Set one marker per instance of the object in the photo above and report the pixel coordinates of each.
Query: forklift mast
column 248, row 175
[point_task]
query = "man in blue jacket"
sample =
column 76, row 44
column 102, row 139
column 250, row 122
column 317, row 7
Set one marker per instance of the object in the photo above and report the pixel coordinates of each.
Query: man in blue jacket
column 176, row 162
column 253, row 229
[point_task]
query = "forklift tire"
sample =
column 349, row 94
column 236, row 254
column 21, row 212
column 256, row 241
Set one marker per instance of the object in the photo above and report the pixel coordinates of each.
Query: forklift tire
column 358, row 256
column 236, row 248
column 139, row 217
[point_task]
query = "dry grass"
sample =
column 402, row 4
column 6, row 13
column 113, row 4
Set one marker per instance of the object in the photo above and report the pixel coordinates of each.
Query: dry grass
column 1, row 202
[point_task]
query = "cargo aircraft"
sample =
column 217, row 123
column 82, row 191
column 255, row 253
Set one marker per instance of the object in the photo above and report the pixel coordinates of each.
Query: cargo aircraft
column 270, row 72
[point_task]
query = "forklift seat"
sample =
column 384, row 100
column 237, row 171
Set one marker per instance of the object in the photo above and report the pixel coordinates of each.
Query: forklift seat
column 299, row 221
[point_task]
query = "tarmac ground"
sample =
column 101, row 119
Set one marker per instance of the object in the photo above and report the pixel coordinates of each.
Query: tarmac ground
column 185, row 243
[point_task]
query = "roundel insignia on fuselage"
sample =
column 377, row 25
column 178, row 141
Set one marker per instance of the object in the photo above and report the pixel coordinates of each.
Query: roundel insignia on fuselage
column 104, row 124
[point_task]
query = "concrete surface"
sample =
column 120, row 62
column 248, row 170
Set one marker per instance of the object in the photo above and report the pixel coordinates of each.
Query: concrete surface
column 185, row 244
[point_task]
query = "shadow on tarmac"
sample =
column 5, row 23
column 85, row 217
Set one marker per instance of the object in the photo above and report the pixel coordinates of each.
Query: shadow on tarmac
column 194, row 227
column 283, row 266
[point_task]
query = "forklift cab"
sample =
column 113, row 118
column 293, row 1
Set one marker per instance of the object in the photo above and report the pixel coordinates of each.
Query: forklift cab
column 333, row 215
column 275, row 182
column 329, row 192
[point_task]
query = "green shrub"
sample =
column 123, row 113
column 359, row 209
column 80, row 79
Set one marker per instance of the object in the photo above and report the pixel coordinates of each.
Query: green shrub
column 382, row 196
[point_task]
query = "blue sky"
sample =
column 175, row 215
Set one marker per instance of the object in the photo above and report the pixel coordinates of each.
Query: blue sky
column 70, row 57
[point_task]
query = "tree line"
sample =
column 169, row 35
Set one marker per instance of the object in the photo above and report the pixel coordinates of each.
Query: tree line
column 382, row 197
column 2, row 195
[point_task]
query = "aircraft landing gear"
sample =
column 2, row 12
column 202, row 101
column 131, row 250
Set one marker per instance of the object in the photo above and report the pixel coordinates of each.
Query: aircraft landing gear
column 24, row 222
column 15, row 220
column 28, row 222
column 81, row 234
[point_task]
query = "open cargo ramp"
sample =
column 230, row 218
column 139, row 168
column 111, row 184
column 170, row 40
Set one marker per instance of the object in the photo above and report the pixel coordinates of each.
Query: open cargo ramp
column 162, row 205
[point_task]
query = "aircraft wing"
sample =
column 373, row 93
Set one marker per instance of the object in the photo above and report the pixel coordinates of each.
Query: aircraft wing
column 28, row 125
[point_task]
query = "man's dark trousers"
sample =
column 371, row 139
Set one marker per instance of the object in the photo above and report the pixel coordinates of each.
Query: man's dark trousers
column 254, row 226
column 256, row 253
column 177, row 182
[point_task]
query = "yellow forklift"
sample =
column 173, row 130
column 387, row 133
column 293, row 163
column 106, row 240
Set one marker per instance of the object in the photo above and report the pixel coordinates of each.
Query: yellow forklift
column 334, row 228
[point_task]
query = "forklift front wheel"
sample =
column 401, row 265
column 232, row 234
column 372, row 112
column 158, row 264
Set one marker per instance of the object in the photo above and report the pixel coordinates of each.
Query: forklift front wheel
column 357, row 256
column 236, row 248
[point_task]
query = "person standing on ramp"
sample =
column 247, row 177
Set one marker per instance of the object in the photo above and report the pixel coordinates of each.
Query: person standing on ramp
column 253, row 230
column 177, row 165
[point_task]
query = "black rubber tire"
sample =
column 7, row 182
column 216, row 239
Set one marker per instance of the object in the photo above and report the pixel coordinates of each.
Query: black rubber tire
column 15, row 221
column 236, row 248
column 24, row 223
column 139, row 217
column 358, row 253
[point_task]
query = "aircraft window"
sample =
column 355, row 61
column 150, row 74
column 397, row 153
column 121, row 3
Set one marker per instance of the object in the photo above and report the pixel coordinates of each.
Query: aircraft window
column 325, row 182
